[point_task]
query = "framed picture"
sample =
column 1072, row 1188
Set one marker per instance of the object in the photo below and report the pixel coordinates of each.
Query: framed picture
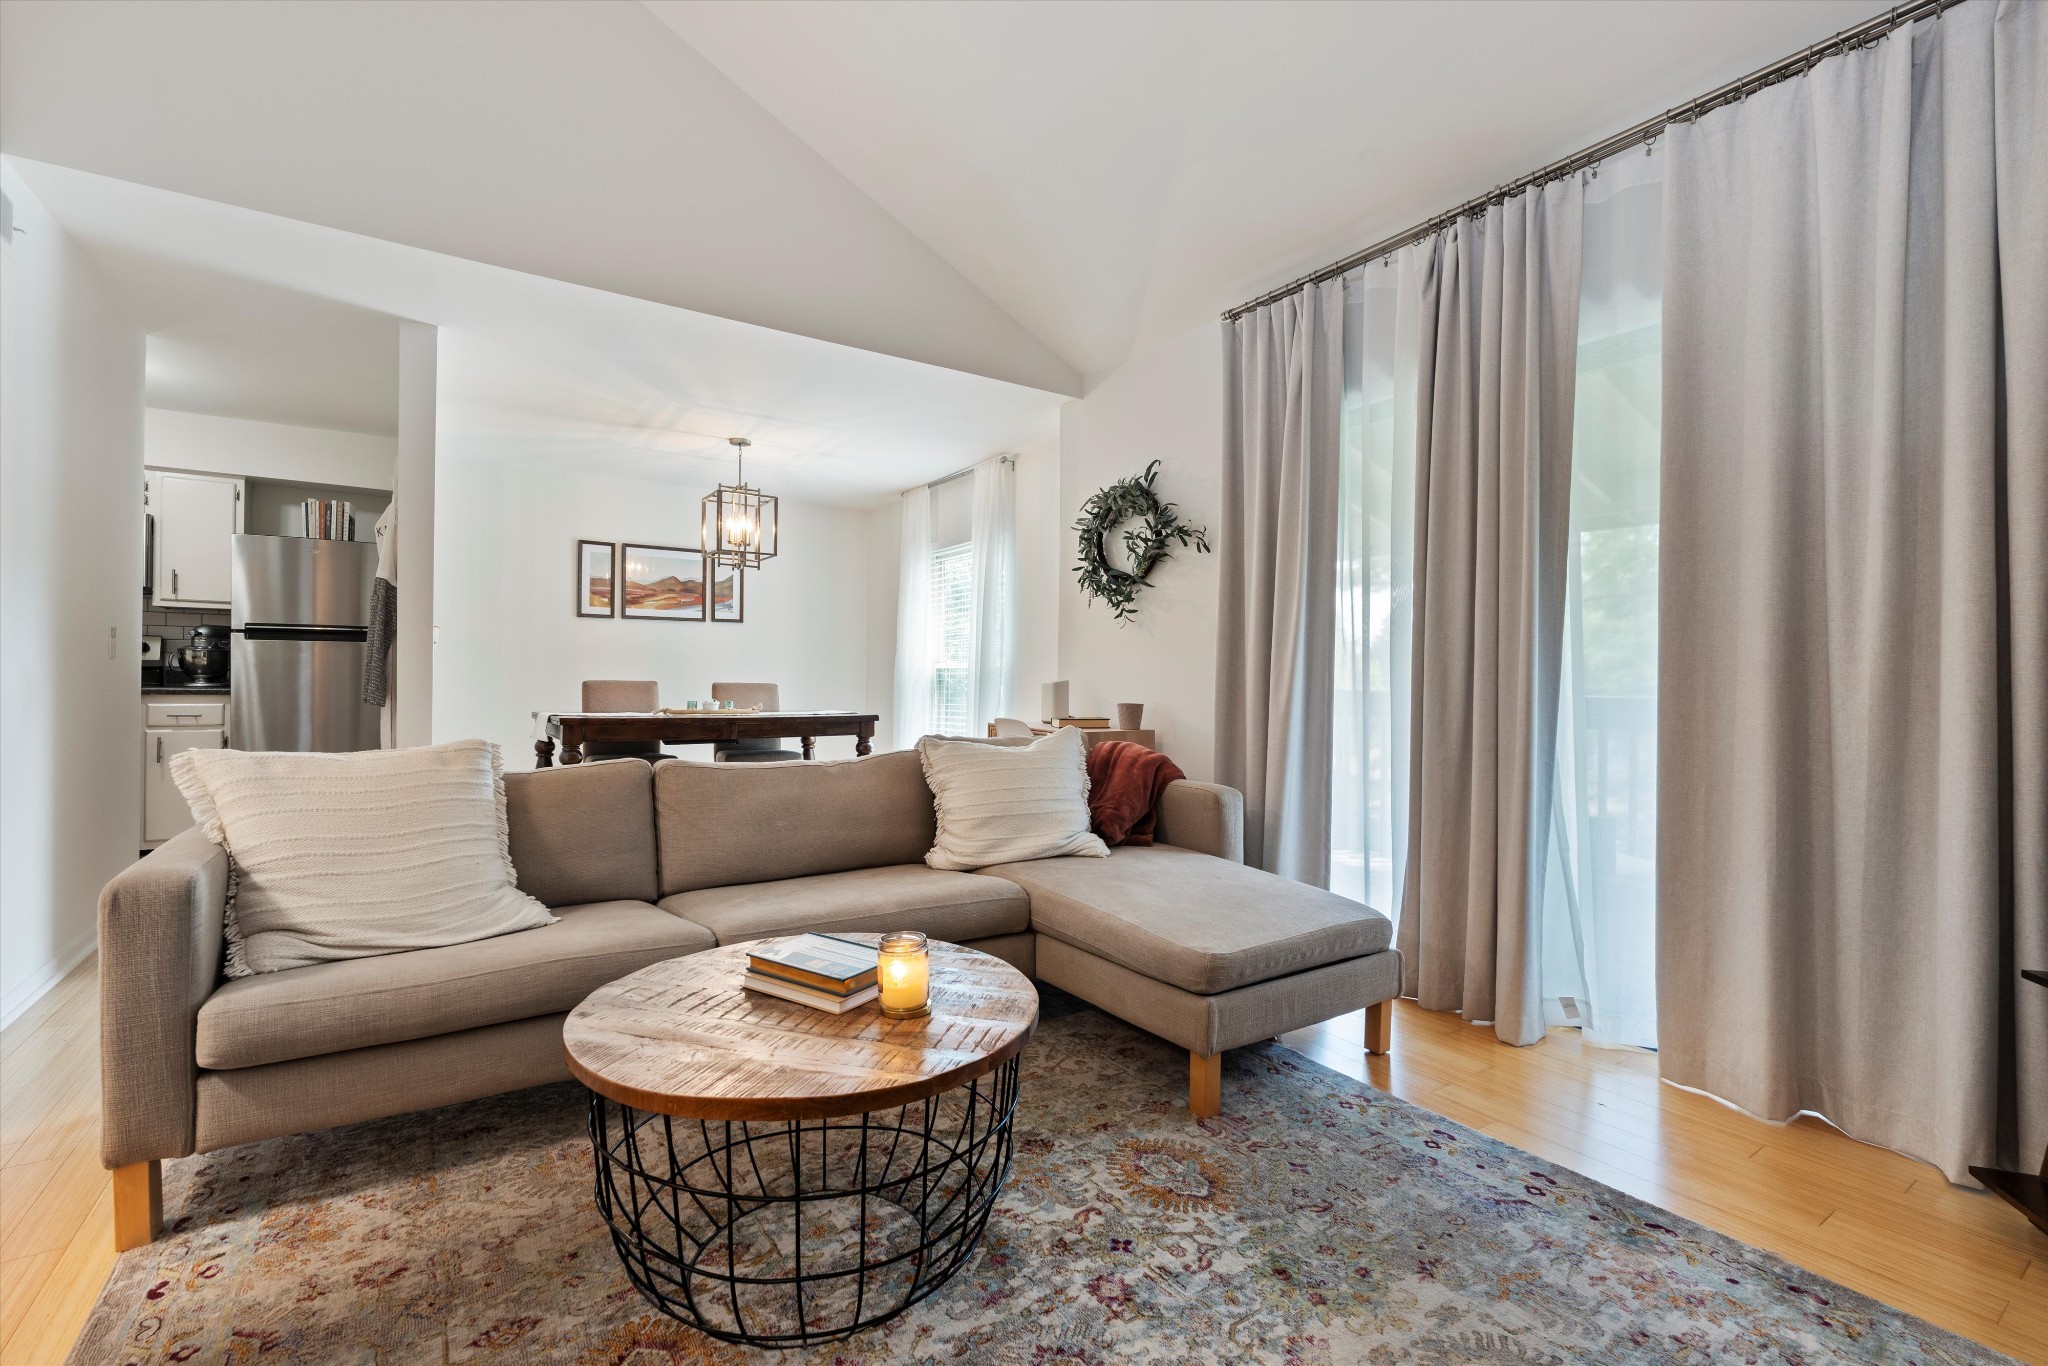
column 596, row 563
column 729, row 593
column 661, row 583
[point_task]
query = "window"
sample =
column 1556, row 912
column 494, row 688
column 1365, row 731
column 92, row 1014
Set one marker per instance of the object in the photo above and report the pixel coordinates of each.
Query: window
column 952, row 638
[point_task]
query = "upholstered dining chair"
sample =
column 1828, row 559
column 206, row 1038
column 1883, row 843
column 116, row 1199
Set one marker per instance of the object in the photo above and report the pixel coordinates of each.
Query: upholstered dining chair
column 766, row 696
column 1010, row 728
column 621, row 694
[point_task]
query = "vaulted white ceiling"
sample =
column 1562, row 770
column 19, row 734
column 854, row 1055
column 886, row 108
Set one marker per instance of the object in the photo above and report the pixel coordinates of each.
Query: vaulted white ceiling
column 1113, row 173
column 1026, row 192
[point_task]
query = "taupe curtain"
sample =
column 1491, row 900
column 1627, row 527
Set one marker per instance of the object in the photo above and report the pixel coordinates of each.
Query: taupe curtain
column 1853, row 829
column 1276, row 618
column 1499, row 341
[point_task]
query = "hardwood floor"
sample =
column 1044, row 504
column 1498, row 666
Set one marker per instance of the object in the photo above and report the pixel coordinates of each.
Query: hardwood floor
column 1881, row 1223
column 56, row 1204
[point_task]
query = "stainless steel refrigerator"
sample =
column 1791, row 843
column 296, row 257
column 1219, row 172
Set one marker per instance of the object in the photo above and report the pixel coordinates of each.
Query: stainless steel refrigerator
column 301, row 612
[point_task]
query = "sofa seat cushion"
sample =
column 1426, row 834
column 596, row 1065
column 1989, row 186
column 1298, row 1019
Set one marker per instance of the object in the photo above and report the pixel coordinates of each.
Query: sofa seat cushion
column 955, row 907
column 1196, row 922
column 331, row 1007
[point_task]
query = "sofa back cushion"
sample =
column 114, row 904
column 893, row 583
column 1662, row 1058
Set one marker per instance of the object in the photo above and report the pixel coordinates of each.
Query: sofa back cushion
column 583, row 833
column 726, row 824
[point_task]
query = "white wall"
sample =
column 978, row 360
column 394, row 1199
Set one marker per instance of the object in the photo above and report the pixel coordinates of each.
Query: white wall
column 884, row 532
column 266, row 450
column 70, row 573
column 510, row 642
column 1166, row 404
column 1042, row 559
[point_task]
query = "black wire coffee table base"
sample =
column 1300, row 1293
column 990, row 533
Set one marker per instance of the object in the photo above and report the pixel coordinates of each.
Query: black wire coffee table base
column 791, row 1233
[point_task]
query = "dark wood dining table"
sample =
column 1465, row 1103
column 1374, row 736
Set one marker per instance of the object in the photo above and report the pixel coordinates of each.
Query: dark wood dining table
column 569, row 729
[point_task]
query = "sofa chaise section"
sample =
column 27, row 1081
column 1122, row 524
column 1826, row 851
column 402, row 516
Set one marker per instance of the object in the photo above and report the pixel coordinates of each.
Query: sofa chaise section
column 1205, row 952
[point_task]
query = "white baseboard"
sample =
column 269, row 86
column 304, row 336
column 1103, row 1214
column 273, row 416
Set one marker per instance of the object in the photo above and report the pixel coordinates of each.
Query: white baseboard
column 26, row 993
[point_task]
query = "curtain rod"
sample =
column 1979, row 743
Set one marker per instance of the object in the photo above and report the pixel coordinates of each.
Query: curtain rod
column 962, row 474
column 1859, row 35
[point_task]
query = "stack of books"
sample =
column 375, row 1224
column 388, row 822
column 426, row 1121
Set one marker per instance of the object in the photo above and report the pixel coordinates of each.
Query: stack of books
column 1084, row 722
column 822, row 971
column 329, row 519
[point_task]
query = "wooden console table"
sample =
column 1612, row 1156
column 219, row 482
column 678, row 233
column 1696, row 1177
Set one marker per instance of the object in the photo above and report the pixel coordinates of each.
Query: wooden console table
column 570, row 729
column 1094, row 736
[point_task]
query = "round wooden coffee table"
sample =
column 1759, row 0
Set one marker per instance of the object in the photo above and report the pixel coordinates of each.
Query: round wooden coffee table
column 778, row 1176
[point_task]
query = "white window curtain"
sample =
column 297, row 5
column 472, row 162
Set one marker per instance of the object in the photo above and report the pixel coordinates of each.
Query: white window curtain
column 1600, row 888
column 913, row 620
column 956, row 618
column 1375, row 583
column 992, row 645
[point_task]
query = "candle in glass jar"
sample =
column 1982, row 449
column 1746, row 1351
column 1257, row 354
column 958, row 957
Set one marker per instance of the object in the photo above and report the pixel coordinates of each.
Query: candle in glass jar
column 905, row 975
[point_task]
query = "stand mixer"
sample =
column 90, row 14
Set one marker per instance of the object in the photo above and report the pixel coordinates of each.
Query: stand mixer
column 204, row 658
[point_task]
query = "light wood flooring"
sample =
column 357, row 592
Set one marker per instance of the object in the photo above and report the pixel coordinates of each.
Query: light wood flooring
column 1873, row 1220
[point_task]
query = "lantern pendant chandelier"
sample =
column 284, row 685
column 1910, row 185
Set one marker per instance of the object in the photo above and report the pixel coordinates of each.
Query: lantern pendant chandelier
column 741, row 524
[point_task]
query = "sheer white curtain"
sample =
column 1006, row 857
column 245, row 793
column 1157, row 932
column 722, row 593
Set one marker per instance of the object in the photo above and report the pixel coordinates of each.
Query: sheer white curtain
column 1375, row 582
column 913, row 620
column 1600, row 889
column 1599, row 902
column 994, row 630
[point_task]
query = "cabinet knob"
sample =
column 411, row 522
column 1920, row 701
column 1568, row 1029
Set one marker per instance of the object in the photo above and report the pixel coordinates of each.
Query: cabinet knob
column 159, row 749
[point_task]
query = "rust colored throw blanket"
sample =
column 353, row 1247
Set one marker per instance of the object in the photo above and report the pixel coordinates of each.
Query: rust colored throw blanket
column 1124, row 785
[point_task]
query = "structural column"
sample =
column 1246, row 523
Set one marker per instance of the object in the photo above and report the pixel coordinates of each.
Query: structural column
column 412, row 488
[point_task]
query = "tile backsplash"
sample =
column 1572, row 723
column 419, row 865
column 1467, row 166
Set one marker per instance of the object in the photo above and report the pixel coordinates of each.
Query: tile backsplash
column 175, row 624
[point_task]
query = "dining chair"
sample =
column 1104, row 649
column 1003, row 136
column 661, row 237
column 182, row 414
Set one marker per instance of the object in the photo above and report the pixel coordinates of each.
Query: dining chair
column 766, row 696
column 1010, row 728
column 621, row 694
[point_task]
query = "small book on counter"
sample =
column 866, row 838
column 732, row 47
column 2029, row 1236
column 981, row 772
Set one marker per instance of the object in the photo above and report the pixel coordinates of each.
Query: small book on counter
column 819, row 970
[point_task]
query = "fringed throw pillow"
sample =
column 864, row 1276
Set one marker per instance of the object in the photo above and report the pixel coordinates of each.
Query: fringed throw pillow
column 353, row 855
column 1006, row 804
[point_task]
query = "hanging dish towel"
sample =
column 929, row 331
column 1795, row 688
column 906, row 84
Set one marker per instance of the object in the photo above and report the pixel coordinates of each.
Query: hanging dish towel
column 383, row 613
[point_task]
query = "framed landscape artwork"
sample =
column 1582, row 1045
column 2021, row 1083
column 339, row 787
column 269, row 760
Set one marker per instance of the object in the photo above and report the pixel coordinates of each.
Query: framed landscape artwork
column 661, row 583
column 729, row 593
column 596, row 563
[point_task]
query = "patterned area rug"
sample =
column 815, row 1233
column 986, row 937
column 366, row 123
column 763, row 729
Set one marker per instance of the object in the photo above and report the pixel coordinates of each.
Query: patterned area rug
column 1315, row 1221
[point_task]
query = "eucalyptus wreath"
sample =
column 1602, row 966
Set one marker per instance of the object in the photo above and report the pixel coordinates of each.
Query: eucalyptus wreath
column 1148, row 528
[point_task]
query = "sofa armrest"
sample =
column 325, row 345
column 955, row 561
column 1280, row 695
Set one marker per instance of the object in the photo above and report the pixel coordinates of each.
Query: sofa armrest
column 160, row 957
column 1205, row 817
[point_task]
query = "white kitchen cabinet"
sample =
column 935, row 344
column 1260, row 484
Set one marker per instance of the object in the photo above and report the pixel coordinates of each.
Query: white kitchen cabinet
column 170, row 727
column 195, row 516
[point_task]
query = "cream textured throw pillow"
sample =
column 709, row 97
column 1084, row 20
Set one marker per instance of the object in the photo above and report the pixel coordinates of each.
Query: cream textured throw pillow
column 353, row 855
column 1009, row 803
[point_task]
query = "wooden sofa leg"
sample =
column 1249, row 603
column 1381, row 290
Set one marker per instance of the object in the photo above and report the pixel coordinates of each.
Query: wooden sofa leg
column 1205, row 1084
column 1379, row 1026
column 138, row 1204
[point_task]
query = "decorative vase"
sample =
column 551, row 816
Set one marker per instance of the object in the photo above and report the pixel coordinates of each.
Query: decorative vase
column 1130, row 716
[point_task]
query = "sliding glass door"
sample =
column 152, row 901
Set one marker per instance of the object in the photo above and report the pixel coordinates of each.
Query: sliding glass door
column 1375, row 582
column 1600, row 893
column 1599, row 880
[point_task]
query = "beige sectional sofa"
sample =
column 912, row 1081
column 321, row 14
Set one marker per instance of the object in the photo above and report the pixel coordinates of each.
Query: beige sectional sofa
column 646, row 863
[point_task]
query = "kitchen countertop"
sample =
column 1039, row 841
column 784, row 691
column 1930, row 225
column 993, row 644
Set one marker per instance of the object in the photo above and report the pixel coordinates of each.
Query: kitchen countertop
column 187, row 690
